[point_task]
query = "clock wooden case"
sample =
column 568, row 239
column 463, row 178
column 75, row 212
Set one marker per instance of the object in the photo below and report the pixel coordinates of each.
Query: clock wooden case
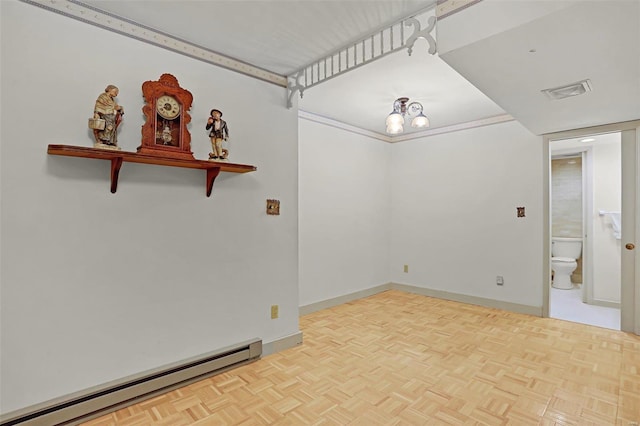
column 166, row 112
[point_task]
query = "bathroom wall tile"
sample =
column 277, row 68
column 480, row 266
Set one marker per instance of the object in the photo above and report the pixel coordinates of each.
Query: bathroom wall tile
column 566, row 197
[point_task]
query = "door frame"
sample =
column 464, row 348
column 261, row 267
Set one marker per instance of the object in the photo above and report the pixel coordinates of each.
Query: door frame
column 630, row 281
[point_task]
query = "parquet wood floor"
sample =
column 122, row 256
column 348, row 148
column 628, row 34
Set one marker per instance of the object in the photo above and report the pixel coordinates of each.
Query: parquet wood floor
column 403, row 359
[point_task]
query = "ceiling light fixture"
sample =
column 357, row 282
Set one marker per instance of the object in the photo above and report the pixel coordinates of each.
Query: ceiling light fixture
column 395, row 120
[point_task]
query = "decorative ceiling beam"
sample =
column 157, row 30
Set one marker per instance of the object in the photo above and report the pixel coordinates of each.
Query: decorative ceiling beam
column 379, row 44
column 82, row 12
column 449, row 7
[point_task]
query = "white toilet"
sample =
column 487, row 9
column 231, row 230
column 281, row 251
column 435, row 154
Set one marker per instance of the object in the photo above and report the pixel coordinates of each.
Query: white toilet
column 564, row 254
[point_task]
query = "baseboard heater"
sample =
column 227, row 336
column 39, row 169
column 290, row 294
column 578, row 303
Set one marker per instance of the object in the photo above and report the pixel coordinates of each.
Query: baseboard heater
column 94, row 402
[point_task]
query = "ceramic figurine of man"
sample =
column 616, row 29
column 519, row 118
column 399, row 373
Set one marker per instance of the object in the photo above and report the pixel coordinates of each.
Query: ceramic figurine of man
column 107, row 109
column 218, row 131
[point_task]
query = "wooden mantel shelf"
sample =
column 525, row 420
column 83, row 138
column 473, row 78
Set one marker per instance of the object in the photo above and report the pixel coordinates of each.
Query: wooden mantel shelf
column 213, row 168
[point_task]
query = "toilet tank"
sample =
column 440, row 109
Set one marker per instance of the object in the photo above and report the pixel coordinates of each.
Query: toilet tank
column 566, row 247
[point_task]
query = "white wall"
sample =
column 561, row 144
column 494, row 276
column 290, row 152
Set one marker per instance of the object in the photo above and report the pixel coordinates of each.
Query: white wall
column 97, row 286
column 344, row 212
column 453, row 215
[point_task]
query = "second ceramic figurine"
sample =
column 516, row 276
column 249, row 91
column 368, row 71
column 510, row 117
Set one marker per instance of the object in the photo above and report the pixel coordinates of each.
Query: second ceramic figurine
column 218, row 131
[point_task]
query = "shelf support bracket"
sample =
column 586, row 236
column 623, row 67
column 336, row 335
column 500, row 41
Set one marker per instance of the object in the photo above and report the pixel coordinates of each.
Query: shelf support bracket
column 116, row 163
column 212, row 173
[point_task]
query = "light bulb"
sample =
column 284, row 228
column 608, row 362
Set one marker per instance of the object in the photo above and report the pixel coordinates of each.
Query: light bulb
column 395, row 118
column 395, row 128
column 420, row 120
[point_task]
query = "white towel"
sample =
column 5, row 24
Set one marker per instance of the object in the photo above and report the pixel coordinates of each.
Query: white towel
column 616, row 222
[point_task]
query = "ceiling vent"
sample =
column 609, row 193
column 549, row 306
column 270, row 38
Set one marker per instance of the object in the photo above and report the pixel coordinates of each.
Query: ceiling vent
column 573, row 89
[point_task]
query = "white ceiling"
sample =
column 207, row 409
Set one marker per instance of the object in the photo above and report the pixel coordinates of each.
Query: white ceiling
column 278, row 35
column 595, row 39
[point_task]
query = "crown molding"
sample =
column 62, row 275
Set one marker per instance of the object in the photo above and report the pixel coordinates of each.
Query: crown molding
column 503, row 118
column 446, row 8
column 496, row 119
column 88, row 14
column 343, row 126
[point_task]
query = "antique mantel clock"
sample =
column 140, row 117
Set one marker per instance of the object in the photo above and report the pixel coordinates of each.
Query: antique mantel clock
column 166, row 112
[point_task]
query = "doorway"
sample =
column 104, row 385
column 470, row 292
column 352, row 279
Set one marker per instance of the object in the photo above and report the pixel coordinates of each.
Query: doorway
column 629, row 213
column 591, row 294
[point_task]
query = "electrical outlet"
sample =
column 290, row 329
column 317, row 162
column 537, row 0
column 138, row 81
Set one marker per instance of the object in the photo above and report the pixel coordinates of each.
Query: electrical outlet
column 500, row 280
column 406, row 268
column 274, row 311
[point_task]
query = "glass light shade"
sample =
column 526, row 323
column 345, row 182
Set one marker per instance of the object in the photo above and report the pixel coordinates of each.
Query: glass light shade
column 395, row 118
column 395, row 128
column 420, row 120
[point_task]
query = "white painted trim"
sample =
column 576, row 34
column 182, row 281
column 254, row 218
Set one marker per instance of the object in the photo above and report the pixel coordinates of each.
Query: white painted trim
column 546, row 227
column 503, row 118
column 629, row 294
column 636, row 327
column 306, row 115
column 605, row 303
column 316, row 118
column 588, row 226
column 340, row 300
column 91, row 15
column 449, row 7
column 282, row 343
column 594, row 130
column 456, row 297
column 472, row 300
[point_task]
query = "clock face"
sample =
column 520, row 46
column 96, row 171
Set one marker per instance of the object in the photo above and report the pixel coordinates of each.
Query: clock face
column 168, row 107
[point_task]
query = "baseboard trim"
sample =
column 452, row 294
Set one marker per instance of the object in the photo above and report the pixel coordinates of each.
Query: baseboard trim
column 440, row 294
column 472, row 300
column 340, row 300
column 282, row 343
column 606, row 303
